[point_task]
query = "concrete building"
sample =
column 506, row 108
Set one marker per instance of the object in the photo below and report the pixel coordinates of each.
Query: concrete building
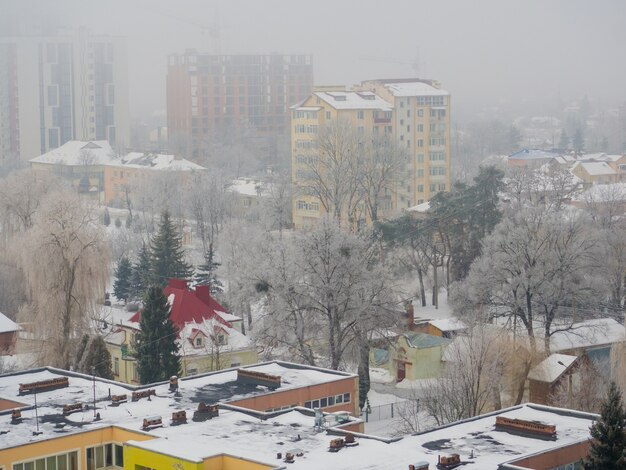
column 209, row 93
column 95, row 169
column 53, row 89
column 154, row 429
column 413, row 113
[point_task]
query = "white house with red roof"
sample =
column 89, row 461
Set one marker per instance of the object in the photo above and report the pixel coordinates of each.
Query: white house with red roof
column 209, row 338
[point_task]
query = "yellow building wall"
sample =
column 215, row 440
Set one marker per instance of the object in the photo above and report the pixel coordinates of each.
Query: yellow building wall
column 425, row 363
column 134, row 456
column 207, row 364
column 73, row 442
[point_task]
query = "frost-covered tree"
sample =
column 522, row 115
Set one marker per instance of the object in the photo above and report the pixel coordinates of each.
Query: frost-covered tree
column 140, row 276
column 67, row 234
column 536, row 267
column 93, row 357
column 205, row 273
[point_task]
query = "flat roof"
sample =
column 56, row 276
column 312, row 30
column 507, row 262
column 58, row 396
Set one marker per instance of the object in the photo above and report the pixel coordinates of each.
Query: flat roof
column 214, row 387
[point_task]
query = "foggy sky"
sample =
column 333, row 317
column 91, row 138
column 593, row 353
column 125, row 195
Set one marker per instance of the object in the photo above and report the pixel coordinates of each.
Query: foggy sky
column 485, row 52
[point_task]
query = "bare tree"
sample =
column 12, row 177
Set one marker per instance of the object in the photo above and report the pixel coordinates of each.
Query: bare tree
column 535, row 267
column 472, row 377
column 584, row 389
column 66, row 234
column 208, row 205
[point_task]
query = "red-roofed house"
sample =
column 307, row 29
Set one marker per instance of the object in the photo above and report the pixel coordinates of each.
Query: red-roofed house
column 209, row 338
column 193, row 306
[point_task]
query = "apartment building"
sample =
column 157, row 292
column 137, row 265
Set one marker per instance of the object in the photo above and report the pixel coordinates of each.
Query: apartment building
column 53, row 89
column 208, row 93
column 414, row 113
column 421, row 122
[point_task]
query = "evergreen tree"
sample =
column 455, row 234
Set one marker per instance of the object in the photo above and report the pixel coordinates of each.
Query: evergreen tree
column 564, row 140
column 205, row 273
column 606, row 450
column 129, row 221
column 167, row 258
column 515, row 137
column 578, row 141
column 93, row 357
column 155, row 345
column 140, row 278
column 122, row 286
column 106, row 217
column 118, row 222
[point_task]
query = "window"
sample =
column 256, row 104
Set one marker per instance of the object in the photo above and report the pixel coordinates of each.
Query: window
column 420, row 142
column 420, row 173
column 221, row 339
column 198, row 341
column 323, row 402
column 346, row 398
column 420, row 188
column 116, row 366
column 328, row 115
column 420, row 113
column 437, row 156
column 420, row 158
column 420, row 128
column 53, row 95
column 360, row 114
column 360, row 130
column 437, row 171
column 67, row 461
column 433, row 187
column 402, row 122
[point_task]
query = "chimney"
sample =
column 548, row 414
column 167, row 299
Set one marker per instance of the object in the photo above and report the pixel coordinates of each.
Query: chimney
column 410, row 315
column 204, row 293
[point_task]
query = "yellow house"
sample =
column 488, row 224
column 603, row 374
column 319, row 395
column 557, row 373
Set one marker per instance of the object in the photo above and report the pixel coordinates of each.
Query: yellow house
column 595, row 172
column 412, row 356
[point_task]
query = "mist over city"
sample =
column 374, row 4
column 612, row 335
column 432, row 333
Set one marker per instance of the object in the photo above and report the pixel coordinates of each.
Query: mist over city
column 363, row 235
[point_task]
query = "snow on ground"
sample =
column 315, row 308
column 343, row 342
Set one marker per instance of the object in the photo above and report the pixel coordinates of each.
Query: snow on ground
column 381, row 376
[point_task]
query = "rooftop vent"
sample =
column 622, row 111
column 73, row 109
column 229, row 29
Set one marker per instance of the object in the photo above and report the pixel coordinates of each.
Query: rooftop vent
column 447, row 462
column 44, row 385
column 205, row 412
column 143, row 394
column 522, row 427
column 16, row 417
column 117, row 399
column 69, row 409
column 258, row 378
column 152, row 422
column 419, row 466
column 179, row 417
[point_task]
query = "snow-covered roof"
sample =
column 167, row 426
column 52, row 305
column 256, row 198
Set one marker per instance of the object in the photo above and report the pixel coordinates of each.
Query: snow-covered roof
column 261, row 436
column 424, row 341
column 94, row 153
column 595, row 168
column 248, row 187
column 533, row 154
column 588, row 333
column 156, row 161
column 208, row 327
column 78, row 152
column 414, row 89
column 421, row 208
column 354, row 100
column 7, row 325
column 448, row 324
column 552, row 367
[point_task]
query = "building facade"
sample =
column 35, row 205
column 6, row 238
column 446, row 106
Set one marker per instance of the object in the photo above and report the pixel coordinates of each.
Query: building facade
column 414, row 114
column 208, row 93
column 53, row 89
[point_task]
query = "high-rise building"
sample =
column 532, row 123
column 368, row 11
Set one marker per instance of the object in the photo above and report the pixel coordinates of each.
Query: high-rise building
column 415, row 114
column 421, row 122
column 68, row 86
column 208, row 94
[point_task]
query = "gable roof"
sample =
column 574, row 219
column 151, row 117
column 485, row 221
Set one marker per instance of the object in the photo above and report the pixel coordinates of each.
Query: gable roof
column 552, row 367
column 424, row 341
column 189, row 306
column 596, row 168
column 7, row 325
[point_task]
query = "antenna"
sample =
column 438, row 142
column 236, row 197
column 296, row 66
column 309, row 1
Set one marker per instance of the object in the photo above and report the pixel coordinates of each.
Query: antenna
column 37, row 432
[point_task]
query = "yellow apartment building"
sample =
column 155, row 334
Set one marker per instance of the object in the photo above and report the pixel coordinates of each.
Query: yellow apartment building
column 421, row 122
column 414, row 112
column 363, row 113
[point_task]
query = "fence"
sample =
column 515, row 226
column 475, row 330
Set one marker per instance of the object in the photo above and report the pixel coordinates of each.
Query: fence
column 383, row 412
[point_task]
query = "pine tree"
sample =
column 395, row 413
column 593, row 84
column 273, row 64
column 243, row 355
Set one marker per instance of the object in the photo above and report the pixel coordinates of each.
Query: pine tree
column 606, row 450
column 579, row 140
column 167, row 258
column 205, row 273
column 93, row 357
column 106, row 217
column 155, row 345
column 140, row 278
column 118, row 222
column 122, row 285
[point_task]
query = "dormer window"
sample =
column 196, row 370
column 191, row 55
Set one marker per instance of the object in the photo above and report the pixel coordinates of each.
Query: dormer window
column 221, row 339
column 198, row 342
